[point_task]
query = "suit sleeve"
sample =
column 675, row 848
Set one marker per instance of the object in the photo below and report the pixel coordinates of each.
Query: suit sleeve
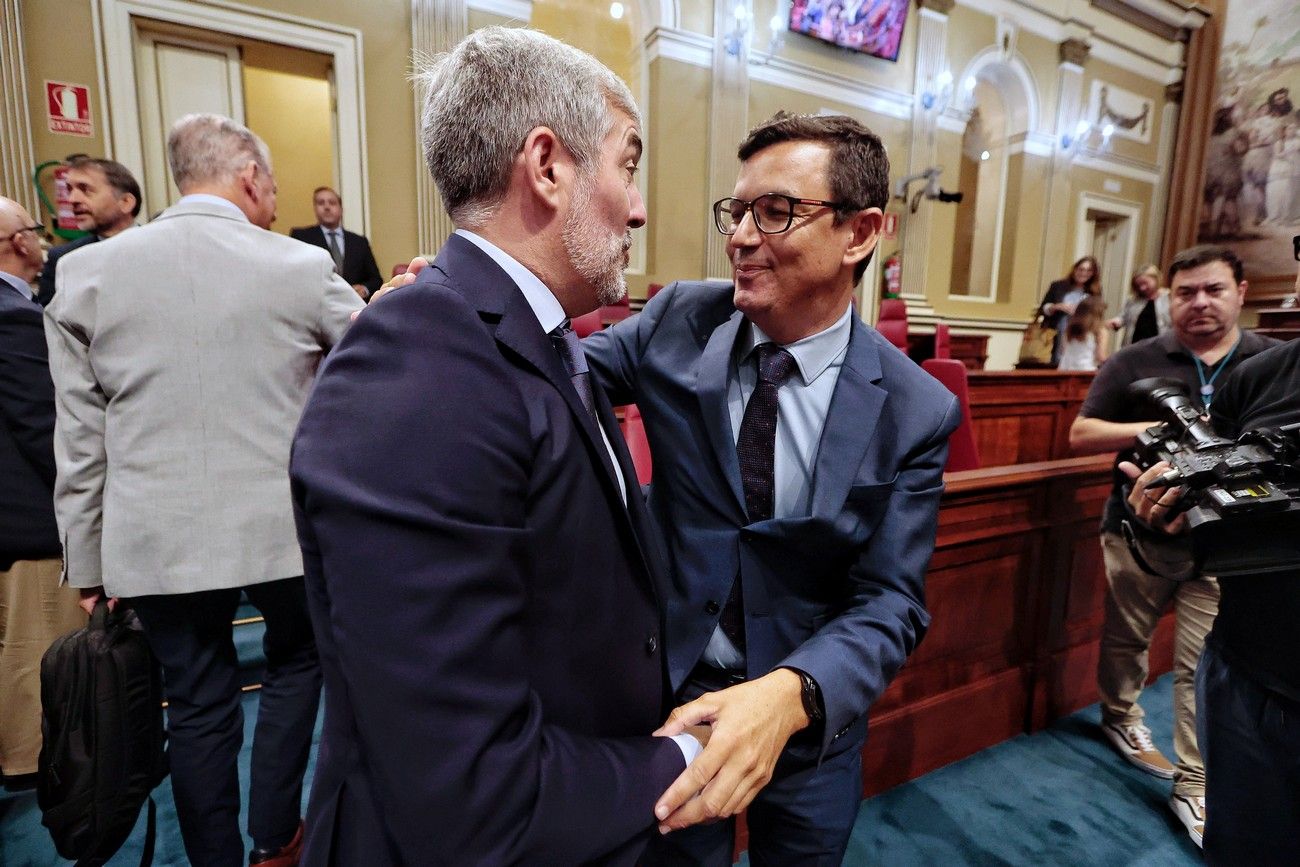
column 80, row 409
column 338, row 301
column 614, row 354
column 26, row 392
column 417, row 562
column 856, row 655
column 371, row 278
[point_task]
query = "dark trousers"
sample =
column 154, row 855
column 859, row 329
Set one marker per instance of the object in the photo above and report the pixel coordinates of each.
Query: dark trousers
column 191, row 634
column 1250, row 739
column 802, row 818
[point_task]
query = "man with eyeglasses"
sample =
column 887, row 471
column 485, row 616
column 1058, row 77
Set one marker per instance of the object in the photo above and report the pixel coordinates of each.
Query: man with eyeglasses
column 1204, row 345
column 798, row 462
column 34, row 609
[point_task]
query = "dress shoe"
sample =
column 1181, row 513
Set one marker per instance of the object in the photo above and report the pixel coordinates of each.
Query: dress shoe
column 285, row 856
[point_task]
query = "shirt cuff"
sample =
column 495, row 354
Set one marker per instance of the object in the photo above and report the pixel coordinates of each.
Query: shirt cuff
column 689, row 746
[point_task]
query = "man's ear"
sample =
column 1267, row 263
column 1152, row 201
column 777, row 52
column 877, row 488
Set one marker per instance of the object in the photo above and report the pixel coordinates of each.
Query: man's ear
column 865, row 226
column 547, row 166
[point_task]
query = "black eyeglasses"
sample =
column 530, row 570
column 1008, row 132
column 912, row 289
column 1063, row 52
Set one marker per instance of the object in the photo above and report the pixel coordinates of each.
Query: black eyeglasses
column 1295, row 244
column 773, row 212
column 36, row 228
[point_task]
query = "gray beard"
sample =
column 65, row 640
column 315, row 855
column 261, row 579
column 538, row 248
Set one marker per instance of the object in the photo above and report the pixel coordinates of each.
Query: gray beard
column 598, row 259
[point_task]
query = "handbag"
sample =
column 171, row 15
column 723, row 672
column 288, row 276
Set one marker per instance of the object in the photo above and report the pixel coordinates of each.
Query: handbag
column 1037, row 341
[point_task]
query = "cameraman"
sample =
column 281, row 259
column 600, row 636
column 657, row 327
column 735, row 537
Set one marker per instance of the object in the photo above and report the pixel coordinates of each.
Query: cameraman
column 1203, row 346
column 1248, row 683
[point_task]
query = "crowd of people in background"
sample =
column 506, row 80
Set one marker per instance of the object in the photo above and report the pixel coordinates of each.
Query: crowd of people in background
column 432, row 507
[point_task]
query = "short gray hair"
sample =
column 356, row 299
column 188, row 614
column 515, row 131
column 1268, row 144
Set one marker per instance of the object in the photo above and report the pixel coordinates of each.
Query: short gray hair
column 485, row 96
column 209, row 147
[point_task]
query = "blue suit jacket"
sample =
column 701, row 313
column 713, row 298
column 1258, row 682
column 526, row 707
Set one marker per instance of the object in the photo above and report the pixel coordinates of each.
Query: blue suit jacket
column 838, row 593
column 28, row 530
column 486, row 608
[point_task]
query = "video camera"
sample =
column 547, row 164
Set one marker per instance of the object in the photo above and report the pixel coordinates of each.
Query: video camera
column 1242, row 497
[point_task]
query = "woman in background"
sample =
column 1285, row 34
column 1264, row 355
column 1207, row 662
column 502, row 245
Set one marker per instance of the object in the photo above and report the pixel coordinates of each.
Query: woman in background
column 1064, row 295
column 1146, row 314
column 1087, row 339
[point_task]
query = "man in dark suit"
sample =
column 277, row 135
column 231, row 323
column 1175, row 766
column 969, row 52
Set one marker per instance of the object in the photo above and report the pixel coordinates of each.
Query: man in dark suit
column 798, row 463
column 351, row 252
column 34, row 609
column 484, row 585
column 105, row 200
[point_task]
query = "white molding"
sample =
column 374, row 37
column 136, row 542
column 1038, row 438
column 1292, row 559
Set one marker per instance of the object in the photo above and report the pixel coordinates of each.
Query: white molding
column 221, row 16
column 992, row 57
column 1175, row 14
column 512, row 10
column 1103, row 47
column 1126, row 168
column 1126, row 208
column 695, row 49
column 969, row 325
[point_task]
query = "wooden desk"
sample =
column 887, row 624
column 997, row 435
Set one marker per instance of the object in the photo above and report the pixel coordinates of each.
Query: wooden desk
column 971, row 350
column 1015, row 593
column 1023, row 416
column 1280, row 322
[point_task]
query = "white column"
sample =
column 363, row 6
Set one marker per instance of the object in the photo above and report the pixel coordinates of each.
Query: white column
column 931, row 60
column 436, row 27
column 728, row 117
column 17, row 156
column 1069, row 111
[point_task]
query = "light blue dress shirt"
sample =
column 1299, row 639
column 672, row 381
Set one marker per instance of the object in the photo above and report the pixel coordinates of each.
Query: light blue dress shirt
column 24, row 288
column 803, row 401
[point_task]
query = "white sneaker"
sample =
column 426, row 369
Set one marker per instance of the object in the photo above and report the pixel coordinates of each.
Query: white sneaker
column 1134, row 743
column 1191, row 812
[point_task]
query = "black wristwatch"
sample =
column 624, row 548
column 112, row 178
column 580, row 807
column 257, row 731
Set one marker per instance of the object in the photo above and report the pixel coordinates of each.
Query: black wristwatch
column 811, row 695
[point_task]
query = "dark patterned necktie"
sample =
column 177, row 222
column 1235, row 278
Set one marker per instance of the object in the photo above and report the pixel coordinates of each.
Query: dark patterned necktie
column 756, row 449
column 569, row 346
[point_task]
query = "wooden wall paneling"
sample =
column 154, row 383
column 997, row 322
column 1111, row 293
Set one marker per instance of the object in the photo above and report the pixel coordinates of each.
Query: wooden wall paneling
column 1024, row 416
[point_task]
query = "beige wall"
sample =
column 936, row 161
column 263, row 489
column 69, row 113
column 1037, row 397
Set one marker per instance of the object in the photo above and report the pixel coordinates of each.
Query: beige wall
column 287, row 102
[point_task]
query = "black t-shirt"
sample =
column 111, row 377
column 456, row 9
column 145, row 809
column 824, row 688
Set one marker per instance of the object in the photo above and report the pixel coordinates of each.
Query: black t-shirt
column 1109, row 399
column 1258, row 627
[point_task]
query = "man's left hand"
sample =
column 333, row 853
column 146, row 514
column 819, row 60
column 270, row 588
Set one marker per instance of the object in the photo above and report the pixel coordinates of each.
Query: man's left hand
column 751, row 724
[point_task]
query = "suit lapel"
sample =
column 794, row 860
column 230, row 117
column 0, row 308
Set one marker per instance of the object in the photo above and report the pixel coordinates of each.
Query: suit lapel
column 711, row 390
column 850, row 423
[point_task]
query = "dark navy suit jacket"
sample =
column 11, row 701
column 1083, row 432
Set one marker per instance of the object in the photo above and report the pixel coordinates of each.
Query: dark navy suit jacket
column 839, row 593
column 28, row 530
column 487, row 611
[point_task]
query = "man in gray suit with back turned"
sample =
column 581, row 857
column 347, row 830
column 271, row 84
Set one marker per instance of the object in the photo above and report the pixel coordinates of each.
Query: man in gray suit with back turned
column 182, row 354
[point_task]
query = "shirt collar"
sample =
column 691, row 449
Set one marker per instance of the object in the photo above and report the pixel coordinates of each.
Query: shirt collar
column 338, row 229
column 23, row 287
column 209, row 199
column 543, row 302
column 812, row 354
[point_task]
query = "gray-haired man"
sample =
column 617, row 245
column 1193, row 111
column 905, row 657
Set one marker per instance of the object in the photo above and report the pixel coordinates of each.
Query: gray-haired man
column 176, row 404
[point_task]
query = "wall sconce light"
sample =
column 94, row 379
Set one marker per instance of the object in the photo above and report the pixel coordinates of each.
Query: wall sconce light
column 1086, row 135
column 616, row 10
column 777, row 25
column 937, row 93
column 736, row 38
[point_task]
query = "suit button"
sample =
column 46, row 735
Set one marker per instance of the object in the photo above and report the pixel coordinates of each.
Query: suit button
column 651, row 645
column 711, row 607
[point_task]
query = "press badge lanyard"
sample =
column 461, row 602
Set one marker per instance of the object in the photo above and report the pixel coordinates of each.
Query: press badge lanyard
column 1207, row 385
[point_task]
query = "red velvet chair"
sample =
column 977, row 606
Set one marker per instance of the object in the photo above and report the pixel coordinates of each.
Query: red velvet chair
column 892, row 322
column 942, row 341
column 962, row 453
column 588, row 323
column 652, row 290
column 637, row 443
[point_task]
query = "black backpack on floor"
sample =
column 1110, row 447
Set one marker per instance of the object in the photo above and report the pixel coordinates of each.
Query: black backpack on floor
column 104, row 748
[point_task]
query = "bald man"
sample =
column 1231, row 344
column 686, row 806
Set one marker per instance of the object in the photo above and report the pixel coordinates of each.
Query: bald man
column 34, row 609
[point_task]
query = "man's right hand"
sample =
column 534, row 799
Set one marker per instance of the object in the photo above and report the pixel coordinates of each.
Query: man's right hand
column 91, row 595
column 418, row 264
column 1153, row 506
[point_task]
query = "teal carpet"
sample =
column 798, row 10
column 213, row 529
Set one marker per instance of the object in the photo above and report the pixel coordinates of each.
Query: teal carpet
column 1060, row 797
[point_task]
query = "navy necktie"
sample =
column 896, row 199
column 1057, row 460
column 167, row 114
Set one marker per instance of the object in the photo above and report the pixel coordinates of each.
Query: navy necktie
column 756, row 450
column 569, row 346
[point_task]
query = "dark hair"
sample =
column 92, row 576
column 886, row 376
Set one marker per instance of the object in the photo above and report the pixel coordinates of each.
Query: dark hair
column 1204, row 254
column 1093, row 286
column 1086, row 318
column 118, row 176
column 858, row 167
column 324, row 189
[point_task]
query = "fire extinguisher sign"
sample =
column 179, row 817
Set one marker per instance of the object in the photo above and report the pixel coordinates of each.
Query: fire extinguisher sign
column 68, row 108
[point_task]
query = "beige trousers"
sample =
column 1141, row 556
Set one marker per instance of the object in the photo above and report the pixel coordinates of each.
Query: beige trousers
column 34, row 610
column 1133, row 608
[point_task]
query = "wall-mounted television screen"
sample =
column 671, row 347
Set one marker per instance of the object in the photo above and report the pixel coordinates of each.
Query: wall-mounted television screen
column 873, row 27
